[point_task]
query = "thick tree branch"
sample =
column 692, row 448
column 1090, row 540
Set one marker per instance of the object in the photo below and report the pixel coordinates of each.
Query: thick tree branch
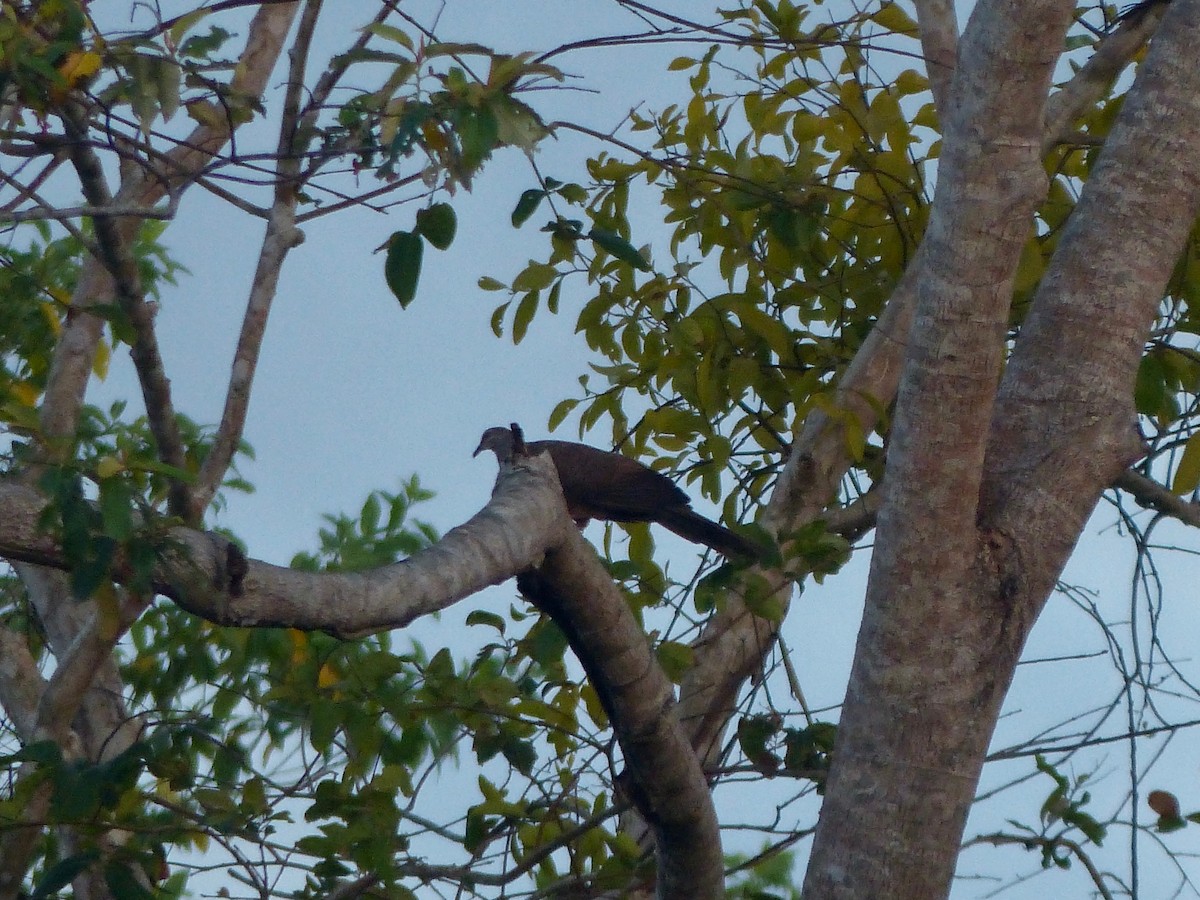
column 21, row 684
column 206, row 575
column 916, row 689
column 1113, row 53
column 1112, row 265
column 664, row 779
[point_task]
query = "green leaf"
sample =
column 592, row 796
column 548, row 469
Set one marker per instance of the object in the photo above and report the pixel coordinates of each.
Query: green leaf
column 617, row 246
column 520, row 753
column 479, row 134
column 483, row 617
column 368, row 521
column 1187, row 473
column 524, row 315
column 526, row 206
column 122, row 882
column 535, row 277
column 437, row 224
column 391, row 33
column 62, row 873
column 675, row 659
column 116, row 513
column 403, row 265
column 561, row 411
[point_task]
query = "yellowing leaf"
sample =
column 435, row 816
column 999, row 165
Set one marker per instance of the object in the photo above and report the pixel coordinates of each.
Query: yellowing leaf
column 299, row 645
column 1187, row 473
column 109, row 466
column 328, row 676
column 910, row 81
column 78, row 65
column 895, row 19
column 50, row 313
column 101, row 360
column 25, row 392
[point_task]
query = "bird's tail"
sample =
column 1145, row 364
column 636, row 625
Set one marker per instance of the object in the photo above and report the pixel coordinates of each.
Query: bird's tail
column 689, row 524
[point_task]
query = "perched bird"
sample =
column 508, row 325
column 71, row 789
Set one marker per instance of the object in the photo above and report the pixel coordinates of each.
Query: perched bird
column 598, row 484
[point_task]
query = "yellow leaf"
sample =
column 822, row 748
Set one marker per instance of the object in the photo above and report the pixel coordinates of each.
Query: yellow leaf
column 108, row 619
column 328, row 676
column 25, row 393
column 299, row 645
column 78, row 65
column 1187, row 474
column 910, row 81
column 895, row 19
column 50, row 313
column 109, row 466
column 100, row 363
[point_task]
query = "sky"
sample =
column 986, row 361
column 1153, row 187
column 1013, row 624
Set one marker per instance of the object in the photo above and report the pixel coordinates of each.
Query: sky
column 355, row 394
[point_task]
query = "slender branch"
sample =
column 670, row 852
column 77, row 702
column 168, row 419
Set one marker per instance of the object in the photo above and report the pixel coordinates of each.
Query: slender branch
column 1030, row 841
column 1149, row 494
column 1045, row 749
column 117, row 258
column 282, row 235
column 58, row 214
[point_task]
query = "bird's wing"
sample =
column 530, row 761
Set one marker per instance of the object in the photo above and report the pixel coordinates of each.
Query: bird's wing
column 603, row 485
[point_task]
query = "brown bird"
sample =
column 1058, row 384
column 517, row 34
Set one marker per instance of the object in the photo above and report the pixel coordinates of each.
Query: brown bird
column 598, row 484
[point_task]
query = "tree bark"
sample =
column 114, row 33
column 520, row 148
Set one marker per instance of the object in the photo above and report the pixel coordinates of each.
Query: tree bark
column 1001, row 496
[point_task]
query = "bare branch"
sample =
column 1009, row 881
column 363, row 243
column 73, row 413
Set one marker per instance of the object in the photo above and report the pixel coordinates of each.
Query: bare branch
column 998, row 839
column 122, row 267
column 1149, row 494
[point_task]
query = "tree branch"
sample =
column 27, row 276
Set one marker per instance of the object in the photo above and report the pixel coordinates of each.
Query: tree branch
column 207, row 575
column 1113, row 53
column 117, row 258
column 1149, row 494
column 938, row 24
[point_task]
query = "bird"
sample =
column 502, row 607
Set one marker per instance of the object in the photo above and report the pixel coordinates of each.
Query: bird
column 599, row 484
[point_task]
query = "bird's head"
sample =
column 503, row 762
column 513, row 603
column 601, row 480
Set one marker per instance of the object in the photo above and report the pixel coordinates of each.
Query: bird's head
column 499, row 441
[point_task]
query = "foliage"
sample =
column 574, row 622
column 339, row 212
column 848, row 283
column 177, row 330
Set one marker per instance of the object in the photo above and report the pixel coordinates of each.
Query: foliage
column 794, row 177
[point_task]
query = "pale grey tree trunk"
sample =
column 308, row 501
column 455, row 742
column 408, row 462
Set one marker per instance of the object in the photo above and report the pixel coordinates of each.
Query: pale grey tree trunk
column 988, row 490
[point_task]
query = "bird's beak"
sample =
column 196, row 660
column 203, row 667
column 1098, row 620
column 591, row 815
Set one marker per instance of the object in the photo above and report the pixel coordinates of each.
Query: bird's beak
column 478, row 450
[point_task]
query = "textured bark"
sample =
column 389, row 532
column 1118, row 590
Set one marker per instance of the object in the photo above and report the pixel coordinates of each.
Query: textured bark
column 662, row 778
column 969, row 546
